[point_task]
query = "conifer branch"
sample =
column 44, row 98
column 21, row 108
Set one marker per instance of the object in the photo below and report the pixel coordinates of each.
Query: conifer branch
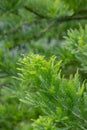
column 70, row 18
column 36, row 13
column 60, row 19
column 82, row 11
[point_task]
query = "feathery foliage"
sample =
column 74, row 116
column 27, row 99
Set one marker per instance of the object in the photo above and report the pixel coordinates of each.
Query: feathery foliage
column 46, row 87
column 62, row 101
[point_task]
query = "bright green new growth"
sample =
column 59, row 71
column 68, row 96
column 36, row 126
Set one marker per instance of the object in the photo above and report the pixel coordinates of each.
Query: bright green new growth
column 61, row 101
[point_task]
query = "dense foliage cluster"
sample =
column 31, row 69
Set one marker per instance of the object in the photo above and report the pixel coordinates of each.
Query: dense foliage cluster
column 43, row 65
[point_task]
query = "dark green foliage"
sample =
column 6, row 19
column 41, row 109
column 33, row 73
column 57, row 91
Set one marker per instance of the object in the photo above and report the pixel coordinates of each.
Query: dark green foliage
column 74, row 52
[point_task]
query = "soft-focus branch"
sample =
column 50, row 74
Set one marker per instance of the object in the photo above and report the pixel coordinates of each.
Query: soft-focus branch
column 70, row 18
column 36, row 13
column 63, row 18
